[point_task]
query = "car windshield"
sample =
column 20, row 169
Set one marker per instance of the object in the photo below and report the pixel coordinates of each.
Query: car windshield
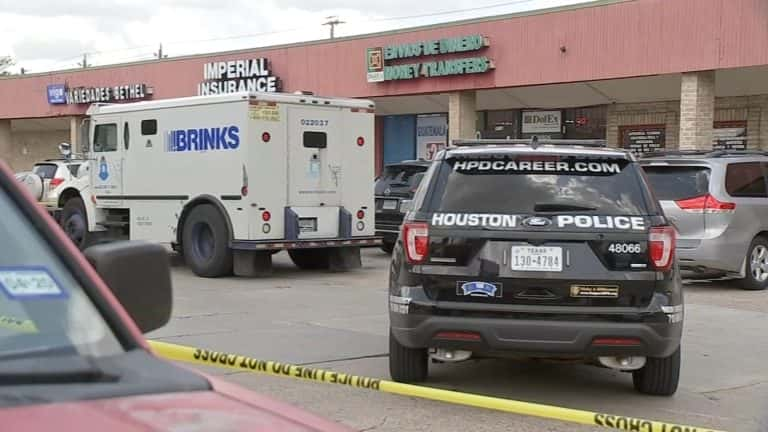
column 43, row 309
column 45, row 171
column 677, row 182
column 540, row 184
column 403, row 175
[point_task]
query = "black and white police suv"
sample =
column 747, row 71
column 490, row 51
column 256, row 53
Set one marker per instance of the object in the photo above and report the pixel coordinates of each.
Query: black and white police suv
column 551, row 249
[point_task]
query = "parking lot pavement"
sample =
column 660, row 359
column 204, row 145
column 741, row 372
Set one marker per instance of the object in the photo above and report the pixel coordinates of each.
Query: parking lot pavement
column 338, row 321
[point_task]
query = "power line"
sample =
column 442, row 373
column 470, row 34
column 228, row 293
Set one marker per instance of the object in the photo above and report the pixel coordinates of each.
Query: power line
column 84, row 64
column 332, row 22
column 159, row 54
column 451, row 12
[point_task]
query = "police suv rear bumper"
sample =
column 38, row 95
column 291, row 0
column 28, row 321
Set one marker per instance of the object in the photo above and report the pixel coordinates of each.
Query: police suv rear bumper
column 569, row 335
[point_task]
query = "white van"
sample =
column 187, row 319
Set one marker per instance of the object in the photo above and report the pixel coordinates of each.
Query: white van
column 227, row 180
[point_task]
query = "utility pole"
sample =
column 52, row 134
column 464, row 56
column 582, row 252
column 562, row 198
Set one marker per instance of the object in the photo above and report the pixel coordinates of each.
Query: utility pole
column 333, row 21
column 159, row 54
column 84, row 64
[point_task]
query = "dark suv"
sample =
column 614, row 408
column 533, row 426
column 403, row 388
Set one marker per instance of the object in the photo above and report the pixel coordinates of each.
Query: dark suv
column 550, row 250
column 396, row 184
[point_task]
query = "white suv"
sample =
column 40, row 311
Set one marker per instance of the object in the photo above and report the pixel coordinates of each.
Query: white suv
column 56, row 176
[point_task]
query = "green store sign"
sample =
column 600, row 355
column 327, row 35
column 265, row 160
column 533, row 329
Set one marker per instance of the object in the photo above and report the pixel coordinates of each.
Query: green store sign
column 391, row 63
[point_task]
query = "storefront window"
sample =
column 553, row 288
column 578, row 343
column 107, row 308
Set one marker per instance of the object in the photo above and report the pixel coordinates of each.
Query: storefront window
column 542, row 124
column 579, row 123
column 500, row 124
column 586, row 123
column 730, row 135
column 643, row 138
column 431, row 135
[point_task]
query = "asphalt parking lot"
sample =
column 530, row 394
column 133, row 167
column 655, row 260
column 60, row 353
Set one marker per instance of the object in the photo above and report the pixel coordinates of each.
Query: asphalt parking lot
column 338, row 321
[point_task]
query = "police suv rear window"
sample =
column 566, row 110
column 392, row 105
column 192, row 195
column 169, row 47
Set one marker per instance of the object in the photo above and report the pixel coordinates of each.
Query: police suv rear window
column 535, row 184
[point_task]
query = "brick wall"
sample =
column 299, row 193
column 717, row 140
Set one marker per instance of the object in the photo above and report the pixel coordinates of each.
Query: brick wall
column 665, row 113
column 462, row 116
column 753, row 109
column 30, row 147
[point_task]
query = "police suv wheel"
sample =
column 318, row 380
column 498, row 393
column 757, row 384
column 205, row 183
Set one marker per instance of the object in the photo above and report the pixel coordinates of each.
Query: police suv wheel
column 407, row 365
column 205, row 242
column 659, row 376
column 310, row 259
column 74, row 222
column 757, row 266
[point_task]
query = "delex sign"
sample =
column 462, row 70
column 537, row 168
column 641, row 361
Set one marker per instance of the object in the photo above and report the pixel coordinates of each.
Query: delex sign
column 385, row 63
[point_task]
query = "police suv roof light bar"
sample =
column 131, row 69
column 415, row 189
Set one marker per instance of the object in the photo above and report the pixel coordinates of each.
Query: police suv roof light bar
column 533, row 142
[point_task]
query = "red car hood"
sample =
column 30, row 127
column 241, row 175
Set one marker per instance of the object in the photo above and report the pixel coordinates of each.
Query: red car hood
column 182, row 412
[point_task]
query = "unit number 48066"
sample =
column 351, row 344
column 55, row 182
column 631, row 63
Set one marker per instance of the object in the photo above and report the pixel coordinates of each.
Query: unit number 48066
column 626, row 248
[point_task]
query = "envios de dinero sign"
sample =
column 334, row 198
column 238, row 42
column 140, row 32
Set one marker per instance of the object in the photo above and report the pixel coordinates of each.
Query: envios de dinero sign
column 390, row 63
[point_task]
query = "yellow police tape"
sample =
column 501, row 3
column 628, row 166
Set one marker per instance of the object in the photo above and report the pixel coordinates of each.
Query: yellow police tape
column 243, row 363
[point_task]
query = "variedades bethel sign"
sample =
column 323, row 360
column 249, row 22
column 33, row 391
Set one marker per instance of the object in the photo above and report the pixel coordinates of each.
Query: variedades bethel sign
column 390, row 62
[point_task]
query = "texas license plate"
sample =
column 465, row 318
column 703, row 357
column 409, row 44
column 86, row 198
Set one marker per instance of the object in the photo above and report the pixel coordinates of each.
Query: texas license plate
column 307, row 225
column 537, row 258
column 389, row 205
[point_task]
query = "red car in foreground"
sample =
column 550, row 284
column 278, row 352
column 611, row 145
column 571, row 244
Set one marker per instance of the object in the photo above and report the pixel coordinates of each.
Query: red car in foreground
column 72, row 354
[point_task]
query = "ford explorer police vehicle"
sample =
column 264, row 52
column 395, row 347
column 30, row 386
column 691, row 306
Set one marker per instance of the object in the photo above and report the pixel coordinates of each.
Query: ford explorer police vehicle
column 227, row 180
column 547, row 250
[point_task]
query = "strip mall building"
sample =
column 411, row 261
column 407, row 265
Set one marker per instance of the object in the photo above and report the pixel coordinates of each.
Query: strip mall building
column 643, row 74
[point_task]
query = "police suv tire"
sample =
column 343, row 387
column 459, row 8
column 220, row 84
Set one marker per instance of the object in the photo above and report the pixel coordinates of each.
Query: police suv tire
column 75, row 223
column 659, row 376
column 407, row 365
column 310, row 259
column 206, row 220
column 749, row 282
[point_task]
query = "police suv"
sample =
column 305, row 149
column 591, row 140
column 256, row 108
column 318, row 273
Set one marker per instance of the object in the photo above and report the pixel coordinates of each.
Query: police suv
column 551, row 249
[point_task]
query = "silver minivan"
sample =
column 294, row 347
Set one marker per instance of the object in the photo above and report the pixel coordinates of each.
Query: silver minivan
column 718, row 201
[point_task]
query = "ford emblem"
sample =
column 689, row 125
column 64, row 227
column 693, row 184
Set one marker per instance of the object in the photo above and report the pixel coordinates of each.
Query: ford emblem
column 537, row 221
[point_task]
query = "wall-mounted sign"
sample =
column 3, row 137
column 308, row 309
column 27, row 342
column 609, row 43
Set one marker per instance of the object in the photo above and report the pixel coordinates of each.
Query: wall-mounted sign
column 535, row 122
column 730, row 136
column 643, row 139
column 57, row 94
column 233, row 76
column 386, row 63
column 61, row 94
column 431, row 135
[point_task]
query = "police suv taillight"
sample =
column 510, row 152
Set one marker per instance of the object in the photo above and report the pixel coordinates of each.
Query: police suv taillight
column 661, row 247
column 416, row 241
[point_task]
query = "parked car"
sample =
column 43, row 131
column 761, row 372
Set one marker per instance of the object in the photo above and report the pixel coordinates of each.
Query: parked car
column 543, row 251
column 56, row 176
column 71, row 351
column 397, row 183
column 718, row 200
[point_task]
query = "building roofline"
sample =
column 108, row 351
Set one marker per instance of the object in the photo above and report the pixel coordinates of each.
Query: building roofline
column 565, row 8
column 289, row 98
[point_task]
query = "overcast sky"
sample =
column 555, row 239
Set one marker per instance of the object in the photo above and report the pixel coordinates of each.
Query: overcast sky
column 47, row 35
